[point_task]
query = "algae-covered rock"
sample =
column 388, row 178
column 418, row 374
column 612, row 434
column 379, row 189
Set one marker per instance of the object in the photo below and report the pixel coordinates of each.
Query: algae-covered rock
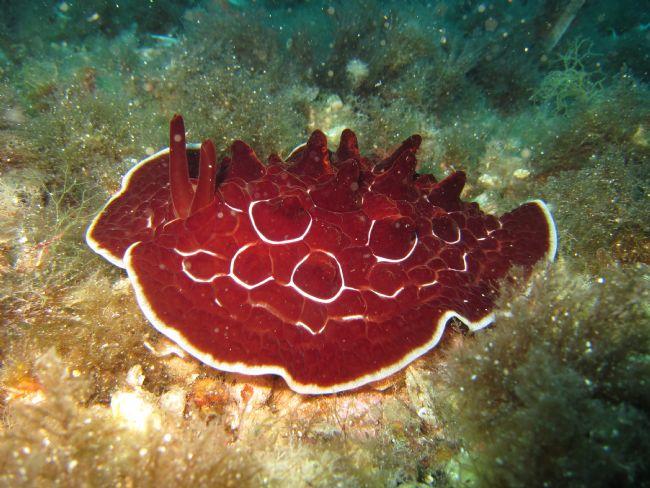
column 557, row 392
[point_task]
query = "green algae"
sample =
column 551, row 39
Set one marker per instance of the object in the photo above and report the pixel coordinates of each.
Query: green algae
column 572, row 83
column 556, row 393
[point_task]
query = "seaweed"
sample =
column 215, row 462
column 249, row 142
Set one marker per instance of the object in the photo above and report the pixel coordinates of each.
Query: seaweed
column 556, row 393
column 603, row 214
column 56, row 437
column 573, row 83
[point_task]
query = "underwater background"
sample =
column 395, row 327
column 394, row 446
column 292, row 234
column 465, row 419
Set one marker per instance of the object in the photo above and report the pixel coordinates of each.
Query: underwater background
column 532, row 99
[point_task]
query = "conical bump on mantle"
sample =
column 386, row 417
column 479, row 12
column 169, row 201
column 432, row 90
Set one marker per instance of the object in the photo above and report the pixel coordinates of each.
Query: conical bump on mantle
column 331, row 269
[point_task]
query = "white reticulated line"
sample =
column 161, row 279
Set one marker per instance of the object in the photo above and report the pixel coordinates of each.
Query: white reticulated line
column 312, row 297
column 399, row 260
column 234, row 209
column 196, row 279
column 448, row 242
column 430, row 283
column 500, row 227
column 187, row 270
column 345, row 318
column 270, row 241
column 194, row 253
column 308, row 329
column 383, row 295
column 168, row 223
column 240, row 282
column 372, row 224
column 236, row 279
column 464, row 262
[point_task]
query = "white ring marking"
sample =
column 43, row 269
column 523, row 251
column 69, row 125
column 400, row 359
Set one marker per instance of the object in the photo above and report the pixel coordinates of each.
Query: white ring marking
column 236, row 279
column 312, row 297
column 399, row 260
column 270, row 241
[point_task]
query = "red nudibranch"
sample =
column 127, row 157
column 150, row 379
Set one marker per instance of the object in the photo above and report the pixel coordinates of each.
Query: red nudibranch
column 329, row 269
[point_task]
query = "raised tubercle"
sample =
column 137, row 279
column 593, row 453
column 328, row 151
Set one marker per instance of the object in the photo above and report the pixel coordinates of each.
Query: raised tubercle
column 204, row 194
column 185, row 199
column 314, row 158
column 348, row 147
column 179, row 176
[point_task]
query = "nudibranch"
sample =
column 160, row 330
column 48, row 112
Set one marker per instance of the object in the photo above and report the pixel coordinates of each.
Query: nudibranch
column 329, row 269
